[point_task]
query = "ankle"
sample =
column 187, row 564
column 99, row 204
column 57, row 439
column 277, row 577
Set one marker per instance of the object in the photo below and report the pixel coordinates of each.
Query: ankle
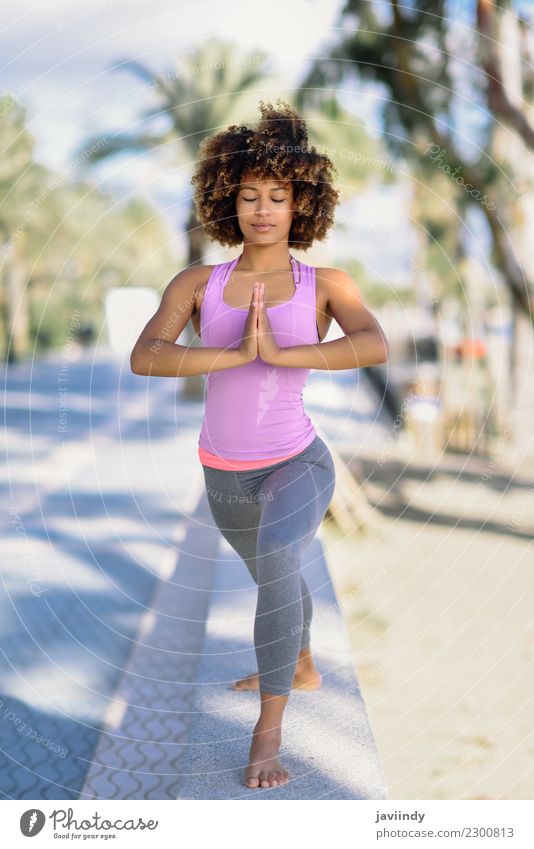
column 305, row 659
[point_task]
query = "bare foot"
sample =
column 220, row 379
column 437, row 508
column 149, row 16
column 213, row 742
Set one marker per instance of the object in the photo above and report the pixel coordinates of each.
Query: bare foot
column 264, row 769
column 307, row 677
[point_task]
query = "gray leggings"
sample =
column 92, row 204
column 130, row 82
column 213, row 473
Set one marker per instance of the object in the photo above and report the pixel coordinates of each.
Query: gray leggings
column 269, row 516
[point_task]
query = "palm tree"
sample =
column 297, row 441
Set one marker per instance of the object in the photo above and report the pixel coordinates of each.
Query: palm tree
column 196, row 102
column 27, row 209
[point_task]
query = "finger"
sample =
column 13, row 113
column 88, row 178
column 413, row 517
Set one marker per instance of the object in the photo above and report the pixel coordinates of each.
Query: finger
column 255, row 307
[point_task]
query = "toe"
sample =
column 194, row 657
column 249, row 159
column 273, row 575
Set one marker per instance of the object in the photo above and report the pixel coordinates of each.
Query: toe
column 272, row 779
column 253, row 781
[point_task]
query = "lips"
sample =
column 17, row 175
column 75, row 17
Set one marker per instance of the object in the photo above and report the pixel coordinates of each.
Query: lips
column 262, row 226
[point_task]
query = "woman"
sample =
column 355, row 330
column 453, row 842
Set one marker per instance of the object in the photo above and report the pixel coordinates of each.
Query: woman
column 262, row 317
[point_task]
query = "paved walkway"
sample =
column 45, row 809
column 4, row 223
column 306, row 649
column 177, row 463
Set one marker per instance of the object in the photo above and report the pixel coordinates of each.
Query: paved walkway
column 327, row 744
column 125, row 615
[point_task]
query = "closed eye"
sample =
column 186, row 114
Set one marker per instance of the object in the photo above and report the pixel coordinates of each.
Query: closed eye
column 274, row 200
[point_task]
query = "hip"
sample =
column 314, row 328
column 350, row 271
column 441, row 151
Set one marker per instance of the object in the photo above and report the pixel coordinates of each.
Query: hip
column 316, row 453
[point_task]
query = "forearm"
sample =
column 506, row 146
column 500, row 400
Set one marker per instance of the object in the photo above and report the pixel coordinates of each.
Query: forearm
column 355, row 350
column 158, row 358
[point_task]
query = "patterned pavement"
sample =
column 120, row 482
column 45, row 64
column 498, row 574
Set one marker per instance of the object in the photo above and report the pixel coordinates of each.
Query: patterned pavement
column 114, row 579
column 327, row 744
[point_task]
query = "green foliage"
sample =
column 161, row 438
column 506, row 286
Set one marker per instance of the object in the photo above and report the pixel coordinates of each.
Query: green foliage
column 375, row 292
column 64, row 242
column 438, row 120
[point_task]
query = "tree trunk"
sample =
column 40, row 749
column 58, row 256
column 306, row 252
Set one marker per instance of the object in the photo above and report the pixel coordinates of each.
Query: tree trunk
column 16, row 318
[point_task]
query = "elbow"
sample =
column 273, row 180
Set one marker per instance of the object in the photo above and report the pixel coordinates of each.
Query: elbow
column 383, row 346
column 138, row 363
column 377, row 346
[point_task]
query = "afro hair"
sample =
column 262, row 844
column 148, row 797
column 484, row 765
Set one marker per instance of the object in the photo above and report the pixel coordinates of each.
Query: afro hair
column 277, row 149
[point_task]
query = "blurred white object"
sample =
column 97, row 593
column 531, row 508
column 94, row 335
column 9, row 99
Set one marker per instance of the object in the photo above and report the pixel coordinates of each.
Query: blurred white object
column 127, row 312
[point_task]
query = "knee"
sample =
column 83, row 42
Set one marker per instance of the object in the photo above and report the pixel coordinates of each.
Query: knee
column 279, row 564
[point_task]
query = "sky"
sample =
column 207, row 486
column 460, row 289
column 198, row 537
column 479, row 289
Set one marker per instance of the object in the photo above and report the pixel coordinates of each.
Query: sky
column 56, row 57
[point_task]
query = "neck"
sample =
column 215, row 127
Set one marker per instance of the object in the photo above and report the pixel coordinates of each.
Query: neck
column 265, row 258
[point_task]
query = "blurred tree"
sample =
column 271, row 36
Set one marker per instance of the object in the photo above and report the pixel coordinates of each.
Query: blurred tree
column 62, row 243
column 22, row 184
column 98, row 243
column 505, row 101
column 197, row 98
column 506, row 50
column 437, row 114
column 409, row 51
column 361, row 159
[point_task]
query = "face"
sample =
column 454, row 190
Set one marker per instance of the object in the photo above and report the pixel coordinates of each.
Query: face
column 268, row 203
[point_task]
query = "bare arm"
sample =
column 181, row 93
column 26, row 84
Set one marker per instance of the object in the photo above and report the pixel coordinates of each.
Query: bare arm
column 364, row 343
column 155, row 352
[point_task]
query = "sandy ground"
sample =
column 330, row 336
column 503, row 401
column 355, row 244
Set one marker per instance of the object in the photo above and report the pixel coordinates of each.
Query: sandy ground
column 438, row 598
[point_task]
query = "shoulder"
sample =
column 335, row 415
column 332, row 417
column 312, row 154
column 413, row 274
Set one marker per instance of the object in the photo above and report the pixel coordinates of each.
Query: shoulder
column 335, row 277
column 194, row 275
column 188, row 282
column 334, row 285
column 195, row 281
column 182, row 292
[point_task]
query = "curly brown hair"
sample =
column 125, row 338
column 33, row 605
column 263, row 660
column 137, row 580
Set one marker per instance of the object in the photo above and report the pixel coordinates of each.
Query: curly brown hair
column 277, row 149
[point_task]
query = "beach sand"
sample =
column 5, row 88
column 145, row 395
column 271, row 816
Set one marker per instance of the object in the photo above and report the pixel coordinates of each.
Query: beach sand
column 438, row 599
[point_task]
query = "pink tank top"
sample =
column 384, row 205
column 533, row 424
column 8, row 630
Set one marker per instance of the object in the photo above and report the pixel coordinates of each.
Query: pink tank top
column 254, row 414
